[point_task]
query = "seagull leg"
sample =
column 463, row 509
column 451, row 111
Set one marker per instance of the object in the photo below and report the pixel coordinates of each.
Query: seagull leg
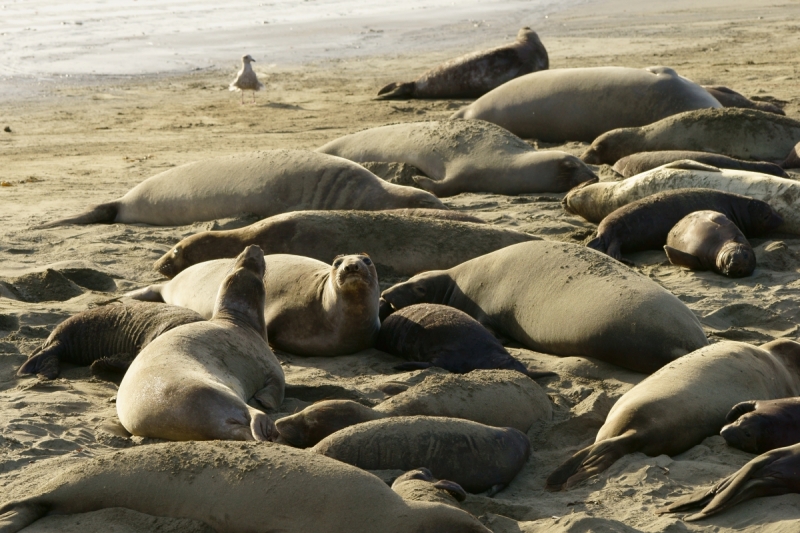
column 242, row 97
column 254, row 97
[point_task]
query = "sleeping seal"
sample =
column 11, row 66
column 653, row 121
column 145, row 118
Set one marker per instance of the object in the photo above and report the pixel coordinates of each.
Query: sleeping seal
column 477, row 73
column 194, row 382
column 634, row 164
column 760, row 426
column 730, row 98
column 685, row 402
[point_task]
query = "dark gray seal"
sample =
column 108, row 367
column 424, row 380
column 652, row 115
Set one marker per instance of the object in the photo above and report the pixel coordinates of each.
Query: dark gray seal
column 643, row 161
column 475, row 74
column 758, row 426
column 730, row 98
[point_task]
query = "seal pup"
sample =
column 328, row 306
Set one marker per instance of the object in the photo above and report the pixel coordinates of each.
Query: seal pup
column 194, row 382
column 559, row 105
column 730, row 98
column 646, row 224
column 399, row 245
column 311, row 308
column 246, row 79
column 739, row 133
column 232, row 487
column 793, row 159
column 708, row 240
column 684, row 403
column 420, row 485
column 464, row 156
column 771, row 474
column 537, row 294
column 106, row 336
column 758, row 426
column 475, row 456
column 263, row 183
column 634, row 164
column 474, row 74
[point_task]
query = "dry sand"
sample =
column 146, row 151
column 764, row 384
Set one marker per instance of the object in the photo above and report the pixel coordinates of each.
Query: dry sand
column 75, row 145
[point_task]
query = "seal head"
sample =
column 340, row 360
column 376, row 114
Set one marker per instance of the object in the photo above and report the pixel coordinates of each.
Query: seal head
column 736, row 260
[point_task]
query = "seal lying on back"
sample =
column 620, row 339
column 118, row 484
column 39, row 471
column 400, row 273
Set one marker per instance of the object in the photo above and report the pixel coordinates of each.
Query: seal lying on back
column 684, row 403
column 261, row 183
column 563, row 299
column 475, row 456
column 193, row 382
column 634, row 164
column 730, row 98
column 645, row 224
column 760, row 426
column 473, row 75
column 708, row 240
column 739, row 133
column 311, row 308
column 398, row 245
column 578, row 104
column 464, row 156
column 771, row 474
column 109, row 335
column 234, row 488
column 595, row 201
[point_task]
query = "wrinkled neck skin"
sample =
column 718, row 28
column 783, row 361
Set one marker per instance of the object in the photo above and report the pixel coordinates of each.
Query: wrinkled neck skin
column 242, row 304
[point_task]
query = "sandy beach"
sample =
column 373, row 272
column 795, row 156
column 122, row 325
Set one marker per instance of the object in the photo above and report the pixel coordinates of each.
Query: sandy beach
column 74, row 139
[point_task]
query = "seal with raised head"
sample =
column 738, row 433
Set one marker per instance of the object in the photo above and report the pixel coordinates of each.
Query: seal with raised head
column 107, row 336
column 232, row 487
column 730, row 98
column 194, row 382
column 684, row 403
column 473, row 75
column 311, row 308
column 420, row 485
column 578, row 104
column 464, row 156
column 260, row 183
column 634, row 164
column 739, row 133
column 708, row 240
column 475, row 456
column 537, row 293
column 398, row 245
column 647, row 223
column 758, row 426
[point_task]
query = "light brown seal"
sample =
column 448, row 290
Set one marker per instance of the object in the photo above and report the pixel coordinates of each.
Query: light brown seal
column 634, row 164
column 194, row 382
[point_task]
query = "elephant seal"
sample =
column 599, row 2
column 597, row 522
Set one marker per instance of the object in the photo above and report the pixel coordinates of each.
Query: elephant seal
column 500, row 398
column 730, row 98
column 634, row 164
column 561, row 105
column 708, row 240
column 684, row 403
column 398, row 245
column 771, row 474
column 475, row 456
column 739, row 133
column 311, row 308
column 464, row 156
column 232, row 487
column 193, row 382
column 793, row 159
column 429, row 335
column 261, row 183
column 595, row 201
column 420, row 485
column 646, row 224
column 537, row 293
column 760, row 426
column 473, row 75
column 110, row 335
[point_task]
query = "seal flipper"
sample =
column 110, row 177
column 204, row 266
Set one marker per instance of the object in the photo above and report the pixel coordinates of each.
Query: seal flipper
column 271, row 396
column 413, row 365
column 16, row 516
column 112, row 368
column 740, row 409
column 99, row 214
column 262, row 426
column 44, row 362
column 151, row 293
column 590, row 461
column 396, row 90
column 432, row 186
column 598, row 243
column 679, row 258
column 451, row 487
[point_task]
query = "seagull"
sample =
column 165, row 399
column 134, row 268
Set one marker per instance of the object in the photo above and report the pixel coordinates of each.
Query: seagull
column 246, row 79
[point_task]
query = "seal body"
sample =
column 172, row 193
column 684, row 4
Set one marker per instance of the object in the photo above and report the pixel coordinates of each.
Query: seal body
column 261, row 183
column 399, row 245
column 685, row 402
column 111, row 334
column 233, row 487
column 708, row 240
column 560, row 105
column 420, row 485
column 730, row 98
column 464, row 156
column 193, row 382
column 311, row 308
column 475, row 74
column 739, row 133
column 634, row 164
column 758, row 426
column 563, row 299
column 793, row 159
column 475, row 456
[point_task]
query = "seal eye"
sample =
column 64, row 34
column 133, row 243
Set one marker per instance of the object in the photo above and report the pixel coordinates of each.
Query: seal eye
column 337, row 263
column 367, row 261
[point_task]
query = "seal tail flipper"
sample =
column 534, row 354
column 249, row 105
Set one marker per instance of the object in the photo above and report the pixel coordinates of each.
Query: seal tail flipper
column 112, row 368
column 16, row 516
column 425, row 183
column 453, row 488
column 99, row 214
column 590, row 461
column 679, row 258
column 740, row 409
column 262, row 426
column 598, row 243
column 44, row 362
column 396, row 90
column 151, row 293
